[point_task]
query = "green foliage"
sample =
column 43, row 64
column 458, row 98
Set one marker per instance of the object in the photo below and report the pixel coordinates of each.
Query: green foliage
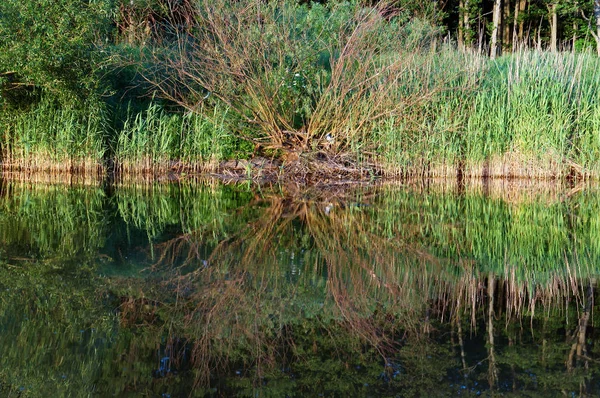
column 54, row 136
column 146, row 22
column 74, row 89
column 54, row 45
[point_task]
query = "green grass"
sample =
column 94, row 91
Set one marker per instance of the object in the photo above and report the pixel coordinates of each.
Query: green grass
column 54, row 139
column 540, row 106
column 48, row 137
column 157, row 141
column 529, row 114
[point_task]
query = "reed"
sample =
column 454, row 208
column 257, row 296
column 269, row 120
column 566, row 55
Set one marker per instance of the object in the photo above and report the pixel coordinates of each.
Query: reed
column 157, row 142
column 54, row 139
column 334, row 87
column 530, row 114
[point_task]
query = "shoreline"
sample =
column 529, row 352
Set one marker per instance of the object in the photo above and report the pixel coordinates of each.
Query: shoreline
column 320, row 170
column 509, row 189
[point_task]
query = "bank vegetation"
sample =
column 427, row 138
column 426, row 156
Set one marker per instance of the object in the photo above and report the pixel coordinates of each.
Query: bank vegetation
column 312, row 91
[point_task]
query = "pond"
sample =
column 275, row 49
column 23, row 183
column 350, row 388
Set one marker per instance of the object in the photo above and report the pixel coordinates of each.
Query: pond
column 206, row 289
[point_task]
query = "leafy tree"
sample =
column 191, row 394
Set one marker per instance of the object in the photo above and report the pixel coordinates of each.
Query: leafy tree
column 52, row 46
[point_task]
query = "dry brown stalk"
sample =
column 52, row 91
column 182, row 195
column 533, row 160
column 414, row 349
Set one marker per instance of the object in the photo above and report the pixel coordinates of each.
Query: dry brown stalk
column 246, row 54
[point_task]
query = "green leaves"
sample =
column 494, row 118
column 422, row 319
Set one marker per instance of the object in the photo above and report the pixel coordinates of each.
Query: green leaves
column 53, row 45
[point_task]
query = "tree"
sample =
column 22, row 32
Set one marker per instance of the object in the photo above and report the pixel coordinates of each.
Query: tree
column 52, row 45
column 463, row 22
column 506, row 31
column 497, row 20
column 553, row 17
column 596, row 34
column 518, row 26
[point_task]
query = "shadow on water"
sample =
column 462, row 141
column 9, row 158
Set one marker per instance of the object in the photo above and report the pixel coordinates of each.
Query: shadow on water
column 212, row 290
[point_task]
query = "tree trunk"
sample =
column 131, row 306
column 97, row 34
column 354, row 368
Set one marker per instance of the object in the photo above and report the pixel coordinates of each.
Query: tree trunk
column 505, row 25
column 517, row 24
column 574, row 39
column 466, row 17
column 461, row 25
column 465, row 36
column 522, row 6
column 553, row 27
column 597, row 17
column 480, row 33
column 516, row 39
column 539, row 35
column 497, row 19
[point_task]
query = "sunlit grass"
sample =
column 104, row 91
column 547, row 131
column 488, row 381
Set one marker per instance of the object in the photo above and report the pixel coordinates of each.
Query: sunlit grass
column 155, row 141
column 55, row 139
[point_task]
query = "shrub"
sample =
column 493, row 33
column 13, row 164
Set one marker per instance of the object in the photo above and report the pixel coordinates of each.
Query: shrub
column 296, row 78
column 51, row 46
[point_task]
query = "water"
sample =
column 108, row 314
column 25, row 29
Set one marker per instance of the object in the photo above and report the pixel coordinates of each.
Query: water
column 177, row 290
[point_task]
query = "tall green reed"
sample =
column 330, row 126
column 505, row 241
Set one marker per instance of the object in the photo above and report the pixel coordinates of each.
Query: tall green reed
column 540, row 109
column 53, row 138
column 527, row 114
column 155, row 140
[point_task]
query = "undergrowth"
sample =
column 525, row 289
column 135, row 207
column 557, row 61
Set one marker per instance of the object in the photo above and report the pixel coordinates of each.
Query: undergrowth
column 340, row 87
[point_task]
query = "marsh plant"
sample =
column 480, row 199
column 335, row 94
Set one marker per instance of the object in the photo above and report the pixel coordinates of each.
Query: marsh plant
column 338, row 89
column 297, row 79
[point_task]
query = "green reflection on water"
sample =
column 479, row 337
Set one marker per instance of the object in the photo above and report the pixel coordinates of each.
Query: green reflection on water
column 212, row 290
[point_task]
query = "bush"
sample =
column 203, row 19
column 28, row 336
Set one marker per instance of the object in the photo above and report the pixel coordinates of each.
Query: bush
column 51, row 46
column 296, row 77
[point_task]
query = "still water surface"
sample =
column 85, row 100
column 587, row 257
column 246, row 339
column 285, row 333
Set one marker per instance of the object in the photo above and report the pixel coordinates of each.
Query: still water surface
column 177, row 290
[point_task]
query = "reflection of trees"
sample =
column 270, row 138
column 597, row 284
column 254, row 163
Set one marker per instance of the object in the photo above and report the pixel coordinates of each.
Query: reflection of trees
column 52, row 330
column 578, row 354
column 492, row 368
column 318, row 291
column 384, row 290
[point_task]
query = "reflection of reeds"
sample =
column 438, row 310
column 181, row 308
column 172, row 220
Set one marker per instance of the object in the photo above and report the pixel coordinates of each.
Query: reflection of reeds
column 51, row 221
column 50, row 178
column 381, row 272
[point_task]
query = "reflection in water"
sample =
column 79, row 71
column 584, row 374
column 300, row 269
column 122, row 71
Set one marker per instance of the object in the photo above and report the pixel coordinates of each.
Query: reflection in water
column 204, row 289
